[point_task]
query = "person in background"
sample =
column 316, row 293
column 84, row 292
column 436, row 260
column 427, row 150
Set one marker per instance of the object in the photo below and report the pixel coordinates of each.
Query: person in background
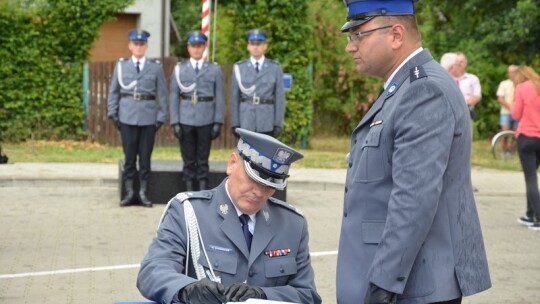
column 257, row 97
column 410, row 231
column 136, row 84
column 468, row 83
column 526, row 109
column 234, row 242
column 505, row 97
column 197, row 110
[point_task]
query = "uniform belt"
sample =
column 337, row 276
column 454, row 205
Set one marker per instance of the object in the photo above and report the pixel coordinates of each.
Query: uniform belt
column 257, row 100
column 195, row 98
column 137, row 96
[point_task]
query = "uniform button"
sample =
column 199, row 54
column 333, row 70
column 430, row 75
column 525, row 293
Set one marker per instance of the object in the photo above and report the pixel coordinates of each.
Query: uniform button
column 401, row 279
column 345, row 214
column 355, row 141
column 281, row 270
column 346, row 189
column 216, row 265
column 350, row 165
column 250, row 274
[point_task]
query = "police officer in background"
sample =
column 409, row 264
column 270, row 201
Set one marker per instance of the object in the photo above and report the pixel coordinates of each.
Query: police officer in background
column 197, row 106
column 242, row 242
column 257, row 98
column 136, row 85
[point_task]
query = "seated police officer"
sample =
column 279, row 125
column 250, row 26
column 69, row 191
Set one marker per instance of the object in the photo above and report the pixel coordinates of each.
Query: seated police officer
column 233, row 242
column 197, row 106
column 136, row 84
column 257, row 98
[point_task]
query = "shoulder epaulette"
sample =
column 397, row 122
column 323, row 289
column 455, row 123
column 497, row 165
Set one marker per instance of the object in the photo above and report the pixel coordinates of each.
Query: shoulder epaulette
column 273, row 61
column 154, row 61
column 123, row 58
column 417, row 72
column 241, row 61
column 285, row 205
column 183, row 196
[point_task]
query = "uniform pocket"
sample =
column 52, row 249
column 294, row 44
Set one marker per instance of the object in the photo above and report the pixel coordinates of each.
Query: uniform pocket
column 371, row 166
column 372, row 231
column 225, row 263
column 280, row 266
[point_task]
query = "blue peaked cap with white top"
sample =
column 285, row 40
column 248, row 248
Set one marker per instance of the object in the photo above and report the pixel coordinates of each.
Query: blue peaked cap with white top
column 361, row 11
column 138, row 35
column 196, row 37
column 266, row 160
column 256, row 35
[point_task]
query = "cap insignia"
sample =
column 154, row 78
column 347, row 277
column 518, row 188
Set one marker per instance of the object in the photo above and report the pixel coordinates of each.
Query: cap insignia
column 282, row 155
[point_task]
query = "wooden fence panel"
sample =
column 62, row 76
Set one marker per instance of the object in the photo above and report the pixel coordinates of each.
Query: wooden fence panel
column 102, row 130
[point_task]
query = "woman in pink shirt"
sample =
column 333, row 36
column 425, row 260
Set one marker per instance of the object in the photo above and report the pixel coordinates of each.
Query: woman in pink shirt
column 526, row 109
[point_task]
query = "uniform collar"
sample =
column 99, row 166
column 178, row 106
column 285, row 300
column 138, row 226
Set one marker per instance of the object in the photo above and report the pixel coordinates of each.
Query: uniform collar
column 387, row 82
column 141, row 61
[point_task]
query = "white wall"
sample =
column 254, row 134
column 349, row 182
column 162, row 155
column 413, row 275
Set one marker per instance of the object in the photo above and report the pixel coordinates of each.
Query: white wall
column 151, row 20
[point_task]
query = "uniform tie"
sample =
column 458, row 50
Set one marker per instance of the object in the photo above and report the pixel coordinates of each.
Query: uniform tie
column 257, row 67
column 197, row 68
column 244, row 219
column 138, row 67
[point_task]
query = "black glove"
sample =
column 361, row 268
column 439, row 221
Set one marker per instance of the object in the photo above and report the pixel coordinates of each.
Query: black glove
column 115, row 121
column 203, row 292
column 158, row 125
column 277, row 132
column 239, row 292
column 377, row 295
column 177, row 131
column 234, row 132
column 216, row 130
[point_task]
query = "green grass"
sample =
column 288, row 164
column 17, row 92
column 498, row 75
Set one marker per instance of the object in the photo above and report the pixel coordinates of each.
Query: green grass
column 324, row 152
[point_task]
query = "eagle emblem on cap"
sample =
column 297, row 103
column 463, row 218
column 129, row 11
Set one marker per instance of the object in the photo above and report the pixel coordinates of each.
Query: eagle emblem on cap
column 282, row 155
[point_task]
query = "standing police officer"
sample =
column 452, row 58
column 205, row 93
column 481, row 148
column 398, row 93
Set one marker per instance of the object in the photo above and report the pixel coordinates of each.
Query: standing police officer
column 136, row 83
column 197, row 105
column 257, row 96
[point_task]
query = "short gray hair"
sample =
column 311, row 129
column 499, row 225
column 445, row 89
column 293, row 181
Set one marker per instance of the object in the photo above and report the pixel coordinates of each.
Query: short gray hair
column 448, row 60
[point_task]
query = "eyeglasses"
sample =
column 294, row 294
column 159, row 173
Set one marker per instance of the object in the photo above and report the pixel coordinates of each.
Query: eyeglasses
column 357, row 37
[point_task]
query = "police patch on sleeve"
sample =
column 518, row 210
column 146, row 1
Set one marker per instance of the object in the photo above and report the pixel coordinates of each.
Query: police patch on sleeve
column 417, row 72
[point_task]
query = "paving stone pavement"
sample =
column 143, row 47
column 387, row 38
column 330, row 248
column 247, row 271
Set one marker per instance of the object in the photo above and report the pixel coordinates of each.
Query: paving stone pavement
column 68, row 242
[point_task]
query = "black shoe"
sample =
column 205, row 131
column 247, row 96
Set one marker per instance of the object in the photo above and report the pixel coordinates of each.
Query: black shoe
column 526, row 221
column 130, row 195
column 535, row 226
column 142, row 195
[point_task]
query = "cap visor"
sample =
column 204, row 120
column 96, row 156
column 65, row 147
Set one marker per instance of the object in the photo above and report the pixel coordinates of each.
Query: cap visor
column 353, row 23
column 275, row 183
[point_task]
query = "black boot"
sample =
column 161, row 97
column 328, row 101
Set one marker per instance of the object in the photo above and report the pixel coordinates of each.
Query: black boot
column 130, row 195
column 189, row 186
column 203, row 184
column 142, row 195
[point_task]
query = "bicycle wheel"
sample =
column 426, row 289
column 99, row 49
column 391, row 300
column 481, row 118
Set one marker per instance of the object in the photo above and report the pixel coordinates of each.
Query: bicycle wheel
column 500, row 144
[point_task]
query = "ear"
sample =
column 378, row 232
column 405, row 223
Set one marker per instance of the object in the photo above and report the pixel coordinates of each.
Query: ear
column 398, row 35
column 232, row 162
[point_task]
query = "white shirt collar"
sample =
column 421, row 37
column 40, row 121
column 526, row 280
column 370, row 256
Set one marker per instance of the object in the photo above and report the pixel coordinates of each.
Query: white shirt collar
column 252, row 217
column 195, row 62
column 141, row 61
column 387, row 83
column 260, row 61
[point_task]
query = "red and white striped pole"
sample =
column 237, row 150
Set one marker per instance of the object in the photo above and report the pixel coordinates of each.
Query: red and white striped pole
column 205, row 28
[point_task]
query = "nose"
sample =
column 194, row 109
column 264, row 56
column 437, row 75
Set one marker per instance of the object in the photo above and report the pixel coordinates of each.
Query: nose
column 350, row 47
column 261, row 190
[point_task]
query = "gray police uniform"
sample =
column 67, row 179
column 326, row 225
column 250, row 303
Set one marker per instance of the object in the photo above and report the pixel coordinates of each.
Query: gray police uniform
column 132, row 99
column 197, row 101
column 279, row 260
column 263, row 107
column 410, row 224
